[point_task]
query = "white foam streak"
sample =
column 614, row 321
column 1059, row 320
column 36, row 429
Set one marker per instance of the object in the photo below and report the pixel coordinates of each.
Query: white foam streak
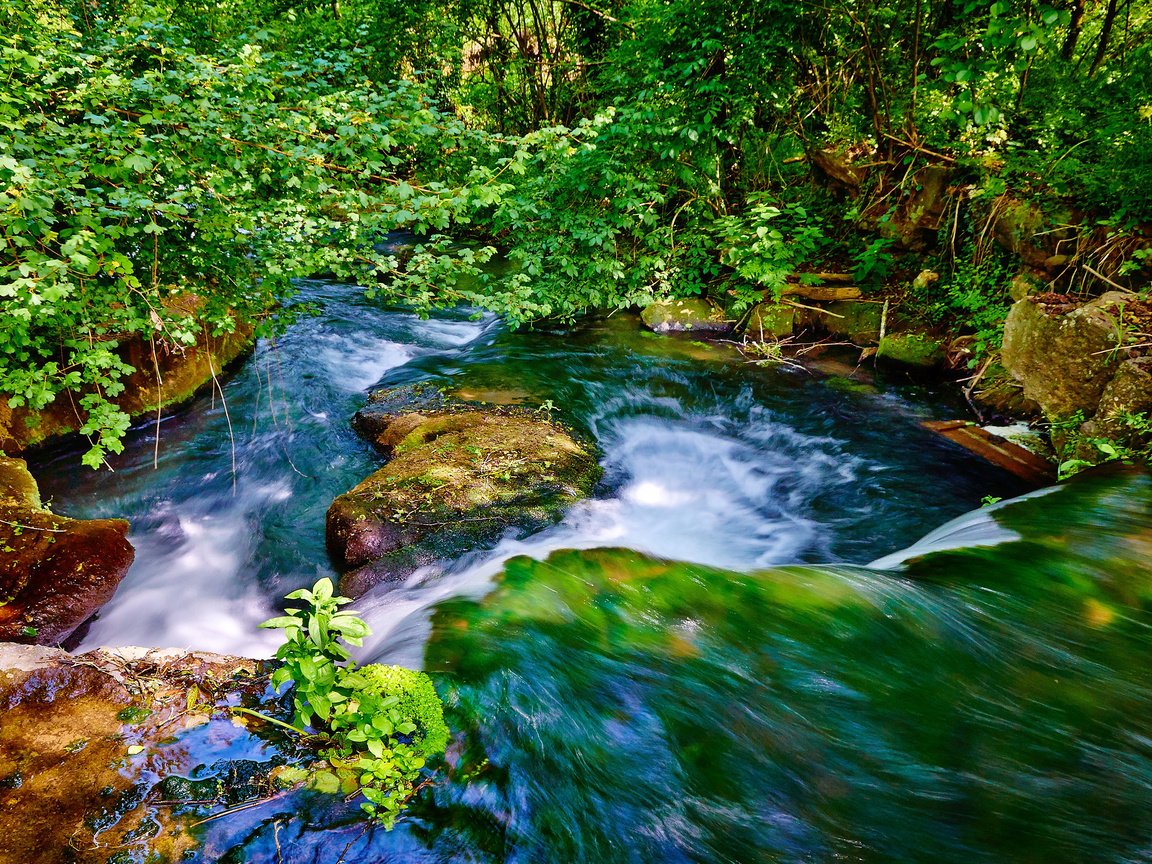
column 187, row 589
column 974, row 529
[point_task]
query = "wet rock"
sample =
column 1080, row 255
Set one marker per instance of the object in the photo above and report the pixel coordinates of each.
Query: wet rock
column 79, row 774
column 770, row 321
column 55, row 572
column 1064, row 357
column 182, row 372
column 458, row 478
column 176, row 788
column 911, row 349
column 690, row 314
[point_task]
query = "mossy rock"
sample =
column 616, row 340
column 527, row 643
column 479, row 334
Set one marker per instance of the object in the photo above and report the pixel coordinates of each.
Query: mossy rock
column 165, row 376
column 770, row 321
column 55, row 572
column 688, row 314
column 1064, row 358
column 911, row 349
column 858, row 321
column 458, row 478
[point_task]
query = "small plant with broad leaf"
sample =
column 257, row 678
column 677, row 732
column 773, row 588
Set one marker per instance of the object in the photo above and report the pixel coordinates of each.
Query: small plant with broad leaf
column 377, row 725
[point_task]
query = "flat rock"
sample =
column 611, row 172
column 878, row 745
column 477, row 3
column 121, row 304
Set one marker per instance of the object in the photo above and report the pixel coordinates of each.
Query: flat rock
column 459, row 477
column 84, row 739
column 55, row 572
column 690, row 314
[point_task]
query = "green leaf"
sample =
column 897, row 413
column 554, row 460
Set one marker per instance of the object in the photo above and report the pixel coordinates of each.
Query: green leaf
column 325, row 781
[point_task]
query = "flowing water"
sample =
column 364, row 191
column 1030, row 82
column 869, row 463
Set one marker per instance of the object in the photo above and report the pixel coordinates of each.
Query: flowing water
column 982, row 696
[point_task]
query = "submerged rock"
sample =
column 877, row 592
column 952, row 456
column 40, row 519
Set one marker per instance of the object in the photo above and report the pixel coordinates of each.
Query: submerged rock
column 458, row 478
column 55, row 572
column 688, row 314
column 85, row 741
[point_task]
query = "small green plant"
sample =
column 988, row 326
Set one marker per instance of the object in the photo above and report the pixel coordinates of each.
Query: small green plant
column 377, row 725
column 989, row 500
column 872, row 264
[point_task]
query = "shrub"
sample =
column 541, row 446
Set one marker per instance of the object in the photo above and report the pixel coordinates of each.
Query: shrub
column 378, row 724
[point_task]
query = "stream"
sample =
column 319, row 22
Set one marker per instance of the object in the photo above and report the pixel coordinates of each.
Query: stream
column 983, row 695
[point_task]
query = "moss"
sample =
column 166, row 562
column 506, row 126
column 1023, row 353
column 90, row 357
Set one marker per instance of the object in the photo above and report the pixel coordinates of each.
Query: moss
column 686, row 314
column 911, row 349
column 857, row 320
column 458, row 479
column 418, row 702
column 770, row 321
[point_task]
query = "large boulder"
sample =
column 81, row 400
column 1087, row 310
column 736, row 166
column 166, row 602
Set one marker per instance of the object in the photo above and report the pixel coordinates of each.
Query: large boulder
column 691, row 314
column 165, row 375
column 1064, row 355
column 459, row 476
column 55, row 572
column 1125, row 397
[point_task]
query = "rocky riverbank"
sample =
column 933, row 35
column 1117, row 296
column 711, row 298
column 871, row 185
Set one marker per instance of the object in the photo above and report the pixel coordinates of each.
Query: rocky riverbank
column 102, row 754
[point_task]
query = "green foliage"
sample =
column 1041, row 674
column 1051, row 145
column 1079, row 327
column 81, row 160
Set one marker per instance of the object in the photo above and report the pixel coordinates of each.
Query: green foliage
column 380, row 723
column 313, row 637
column 768, row 244
column 972, row 299
column 616, row 152
column 1131, row 442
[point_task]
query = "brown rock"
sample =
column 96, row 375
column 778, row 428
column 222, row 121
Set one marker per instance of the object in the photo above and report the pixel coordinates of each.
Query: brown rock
column 55, row 572
column 182, row 372
column 71, row 789
column 458, row 478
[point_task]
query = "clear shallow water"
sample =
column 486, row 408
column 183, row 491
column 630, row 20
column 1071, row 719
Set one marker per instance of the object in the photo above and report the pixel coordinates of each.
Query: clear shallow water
column 771, row 700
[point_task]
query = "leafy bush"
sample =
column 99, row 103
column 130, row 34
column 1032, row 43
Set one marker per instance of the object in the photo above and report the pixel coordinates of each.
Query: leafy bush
column 378, row 724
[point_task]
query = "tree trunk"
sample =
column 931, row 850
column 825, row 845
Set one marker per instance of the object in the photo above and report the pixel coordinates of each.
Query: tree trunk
column 1074, row 27
column 1105, row 35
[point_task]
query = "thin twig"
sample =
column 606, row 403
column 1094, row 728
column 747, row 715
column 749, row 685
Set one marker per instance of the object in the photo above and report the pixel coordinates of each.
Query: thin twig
column 1103, row 278
column 224, row 403
column 34, row 528
column 811, row 308
column 241, row 808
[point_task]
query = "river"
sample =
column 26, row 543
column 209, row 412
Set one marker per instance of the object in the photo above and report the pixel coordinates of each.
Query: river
column 769, row 698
